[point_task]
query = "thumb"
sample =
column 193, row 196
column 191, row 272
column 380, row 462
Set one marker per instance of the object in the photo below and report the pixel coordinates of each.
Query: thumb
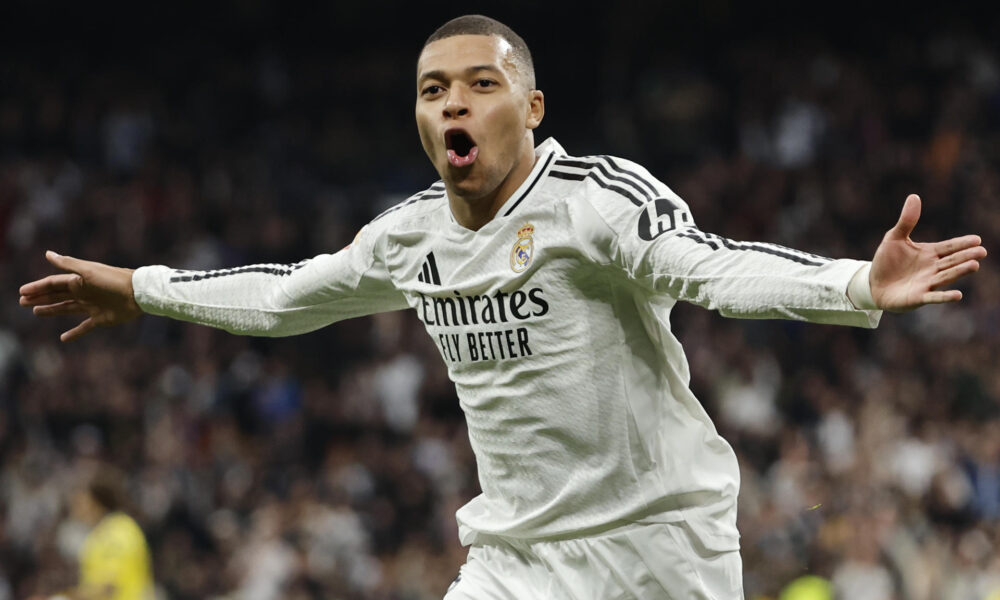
column 66, row 263
column 908, row 218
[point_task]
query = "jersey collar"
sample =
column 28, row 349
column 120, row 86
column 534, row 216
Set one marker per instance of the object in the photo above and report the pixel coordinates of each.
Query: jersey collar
column 544, row 153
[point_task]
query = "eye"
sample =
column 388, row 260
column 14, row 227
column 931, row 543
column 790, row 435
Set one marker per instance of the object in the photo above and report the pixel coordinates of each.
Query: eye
column 484, row 83
column 431, row 90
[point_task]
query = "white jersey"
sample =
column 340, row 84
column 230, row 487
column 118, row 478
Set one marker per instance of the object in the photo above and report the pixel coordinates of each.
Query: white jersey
column 553, row 320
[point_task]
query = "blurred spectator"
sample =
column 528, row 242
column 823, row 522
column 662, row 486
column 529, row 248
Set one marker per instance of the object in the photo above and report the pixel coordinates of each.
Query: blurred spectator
column 114, row 560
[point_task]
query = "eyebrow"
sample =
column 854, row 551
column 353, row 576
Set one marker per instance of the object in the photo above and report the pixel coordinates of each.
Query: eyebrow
column 441, row 75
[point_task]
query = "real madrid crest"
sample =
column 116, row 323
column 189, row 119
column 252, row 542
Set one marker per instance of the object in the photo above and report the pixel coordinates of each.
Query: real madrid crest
column 523, row 250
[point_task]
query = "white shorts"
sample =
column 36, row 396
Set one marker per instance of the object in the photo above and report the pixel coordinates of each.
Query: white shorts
column 656, row 561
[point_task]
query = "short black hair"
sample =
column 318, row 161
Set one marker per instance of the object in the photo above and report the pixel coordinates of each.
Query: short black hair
column 483, row 25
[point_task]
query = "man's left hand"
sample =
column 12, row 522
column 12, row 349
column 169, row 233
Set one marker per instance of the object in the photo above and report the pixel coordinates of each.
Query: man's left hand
column 906, row 275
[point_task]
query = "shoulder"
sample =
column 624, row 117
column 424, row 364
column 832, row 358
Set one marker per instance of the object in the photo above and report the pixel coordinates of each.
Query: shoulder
column 619, row 192
column 410, row 213
column 609, row 175
column 117, row 529
column 414, row 207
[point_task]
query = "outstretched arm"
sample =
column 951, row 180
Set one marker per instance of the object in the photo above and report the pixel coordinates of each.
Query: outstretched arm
column 267, row 300
column 102, row 293
column 906, row 274
column 661, row 249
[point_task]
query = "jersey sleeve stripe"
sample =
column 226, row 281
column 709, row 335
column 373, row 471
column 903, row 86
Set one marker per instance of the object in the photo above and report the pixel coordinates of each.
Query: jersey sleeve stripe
column 600, row 167
column 269, row 269
column 714, row 242
column 431, row 193
column 569, row 176
column 604, row 184
column 638, row 177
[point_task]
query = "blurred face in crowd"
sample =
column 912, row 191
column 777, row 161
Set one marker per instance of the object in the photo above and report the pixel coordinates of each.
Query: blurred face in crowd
column 84, row 508
column 476, row 114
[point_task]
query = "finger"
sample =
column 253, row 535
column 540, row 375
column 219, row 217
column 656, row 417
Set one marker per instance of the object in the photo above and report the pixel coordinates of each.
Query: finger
column 66, row 263
column 955, row 273
column 959, row 257
column 941, row 297
column 956, row 244
column 48, row 285
column 69, row 307
column 908, row 218
column 41, row 299
column 79, row 331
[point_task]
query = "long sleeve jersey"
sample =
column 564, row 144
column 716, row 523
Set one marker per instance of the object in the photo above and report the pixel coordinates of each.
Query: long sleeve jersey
column 553, row 321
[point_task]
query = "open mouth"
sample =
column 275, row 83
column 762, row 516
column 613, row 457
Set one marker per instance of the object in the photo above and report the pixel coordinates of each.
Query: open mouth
column 462, row 149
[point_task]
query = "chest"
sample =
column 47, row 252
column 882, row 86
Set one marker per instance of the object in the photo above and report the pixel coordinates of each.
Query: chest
column 522, row 291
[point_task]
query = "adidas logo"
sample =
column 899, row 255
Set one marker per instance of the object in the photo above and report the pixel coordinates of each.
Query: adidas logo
column 429, row 271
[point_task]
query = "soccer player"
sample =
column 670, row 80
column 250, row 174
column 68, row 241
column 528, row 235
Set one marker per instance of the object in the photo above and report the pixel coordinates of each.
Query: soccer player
column 546, row 282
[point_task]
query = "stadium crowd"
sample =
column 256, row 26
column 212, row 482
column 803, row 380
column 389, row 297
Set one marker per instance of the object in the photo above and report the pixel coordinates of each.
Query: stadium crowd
column 330, row 465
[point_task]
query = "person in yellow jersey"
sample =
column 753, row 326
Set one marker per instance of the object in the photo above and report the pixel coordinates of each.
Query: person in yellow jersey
column 114, row 558
column 808, row 587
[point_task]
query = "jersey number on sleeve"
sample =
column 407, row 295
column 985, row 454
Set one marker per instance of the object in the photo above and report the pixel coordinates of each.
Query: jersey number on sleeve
column 658, row 217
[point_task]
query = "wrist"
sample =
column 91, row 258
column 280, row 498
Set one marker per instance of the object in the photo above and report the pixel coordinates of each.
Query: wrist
column 133, row 305
column 859, row 290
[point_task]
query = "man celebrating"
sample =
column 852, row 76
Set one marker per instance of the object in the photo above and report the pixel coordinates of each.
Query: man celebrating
column 547, row 282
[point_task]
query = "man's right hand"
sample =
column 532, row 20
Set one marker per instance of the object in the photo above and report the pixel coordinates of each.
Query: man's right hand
column 103, row 293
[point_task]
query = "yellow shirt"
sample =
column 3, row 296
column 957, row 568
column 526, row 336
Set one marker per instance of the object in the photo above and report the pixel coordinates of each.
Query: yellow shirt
column 807, row 587
column 115, row 555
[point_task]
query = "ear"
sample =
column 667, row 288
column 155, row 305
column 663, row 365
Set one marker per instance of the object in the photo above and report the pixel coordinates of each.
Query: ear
column 536, row 109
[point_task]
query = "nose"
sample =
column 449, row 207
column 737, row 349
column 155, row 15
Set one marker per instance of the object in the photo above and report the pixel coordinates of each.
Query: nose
column 456, row 104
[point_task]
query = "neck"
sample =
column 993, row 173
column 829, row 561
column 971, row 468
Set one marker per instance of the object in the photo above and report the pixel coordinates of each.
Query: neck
column 474, row 213
column 96, row 517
